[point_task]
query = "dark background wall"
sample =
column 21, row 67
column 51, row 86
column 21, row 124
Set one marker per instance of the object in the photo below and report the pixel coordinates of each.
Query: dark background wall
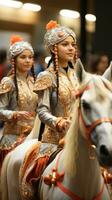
column 103, row 34
column 100, row 41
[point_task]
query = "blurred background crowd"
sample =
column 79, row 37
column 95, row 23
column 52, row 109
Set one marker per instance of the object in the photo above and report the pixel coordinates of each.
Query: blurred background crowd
column 90, row 19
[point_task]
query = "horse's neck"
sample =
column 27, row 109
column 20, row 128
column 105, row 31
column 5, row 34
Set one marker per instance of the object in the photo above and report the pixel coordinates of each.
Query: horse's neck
column 87, row 181
column 88, row 173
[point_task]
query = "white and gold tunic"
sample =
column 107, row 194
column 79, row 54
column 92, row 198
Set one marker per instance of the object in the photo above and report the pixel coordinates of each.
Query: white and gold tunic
column 49, row 109
column 27, row 101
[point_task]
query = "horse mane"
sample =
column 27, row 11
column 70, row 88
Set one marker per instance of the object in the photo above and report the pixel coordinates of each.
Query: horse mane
column 71, row 142
column 71, row 138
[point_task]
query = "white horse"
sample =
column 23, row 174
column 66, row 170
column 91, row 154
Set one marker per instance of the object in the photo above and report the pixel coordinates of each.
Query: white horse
column 79, row 161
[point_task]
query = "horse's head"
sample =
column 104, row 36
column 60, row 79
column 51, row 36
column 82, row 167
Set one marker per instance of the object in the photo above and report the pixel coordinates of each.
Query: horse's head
column 95, row 112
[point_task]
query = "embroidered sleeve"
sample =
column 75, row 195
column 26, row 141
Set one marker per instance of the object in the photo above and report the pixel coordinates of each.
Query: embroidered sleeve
column 44, row 109
column 6, row 85
column 43, row 82
column 43, row 86
column 6, row 88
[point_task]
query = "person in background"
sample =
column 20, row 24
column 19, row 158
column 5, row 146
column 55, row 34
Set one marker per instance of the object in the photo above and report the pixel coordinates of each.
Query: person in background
column 39, row 57
column 3, row 63
column 18, row 102
column 3, row 71
column 100, row 64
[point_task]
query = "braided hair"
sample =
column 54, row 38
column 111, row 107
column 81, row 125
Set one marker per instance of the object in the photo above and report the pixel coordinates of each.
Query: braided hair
column 52, row 60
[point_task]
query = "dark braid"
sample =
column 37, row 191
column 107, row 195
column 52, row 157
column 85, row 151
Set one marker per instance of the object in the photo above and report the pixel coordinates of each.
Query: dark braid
column 16, row 85
column 57, row 82
column 33, row 73
column 70, row 64
column 50, row 61
column 57, row 75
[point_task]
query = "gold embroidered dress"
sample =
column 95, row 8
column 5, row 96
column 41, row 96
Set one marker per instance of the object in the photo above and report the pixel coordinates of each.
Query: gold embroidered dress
column 49, row 109
column 27, row 101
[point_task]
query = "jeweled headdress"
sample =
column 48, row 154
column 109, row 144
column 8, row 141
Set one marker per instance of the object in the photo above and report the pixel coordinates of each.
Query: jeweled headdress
column 18, row 46
column 56, row 33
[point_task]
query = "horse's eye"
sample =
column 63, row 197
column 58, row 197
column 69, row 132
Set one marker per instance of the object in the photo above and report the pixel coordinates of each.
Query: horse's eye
column 85, row 105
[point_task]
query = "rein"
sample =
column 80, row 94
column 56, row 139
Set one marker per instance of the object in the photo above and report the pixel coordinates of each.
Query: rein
column 90, row 128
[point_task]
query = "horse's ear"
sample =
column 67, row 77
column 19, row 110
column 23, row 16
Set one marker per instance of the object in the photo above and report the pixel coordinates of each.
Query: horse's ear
column 80, row 72
column 108, row 73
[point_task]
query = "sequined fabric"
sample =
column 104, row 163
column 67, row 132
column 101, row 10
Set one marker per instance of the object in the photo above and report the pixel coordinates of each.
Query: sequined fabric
column 57, row 35
column 49, row 109
column 18, row 48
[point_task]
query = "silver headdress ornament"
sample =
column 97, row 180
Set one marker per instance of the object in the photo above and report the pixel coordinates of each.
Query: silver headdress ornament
column 18, row 46
column 56, row 33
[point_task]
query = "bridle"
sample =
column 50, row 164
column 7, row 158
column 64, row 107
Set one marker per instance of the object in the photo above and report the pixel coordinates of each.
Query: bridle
column 90, row 128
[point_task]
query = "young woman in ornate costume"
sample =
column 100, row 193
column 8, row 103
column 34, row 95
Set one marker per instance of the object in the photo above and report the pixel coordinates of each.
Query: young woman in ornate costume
column 18, row 102
column 55, row 85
